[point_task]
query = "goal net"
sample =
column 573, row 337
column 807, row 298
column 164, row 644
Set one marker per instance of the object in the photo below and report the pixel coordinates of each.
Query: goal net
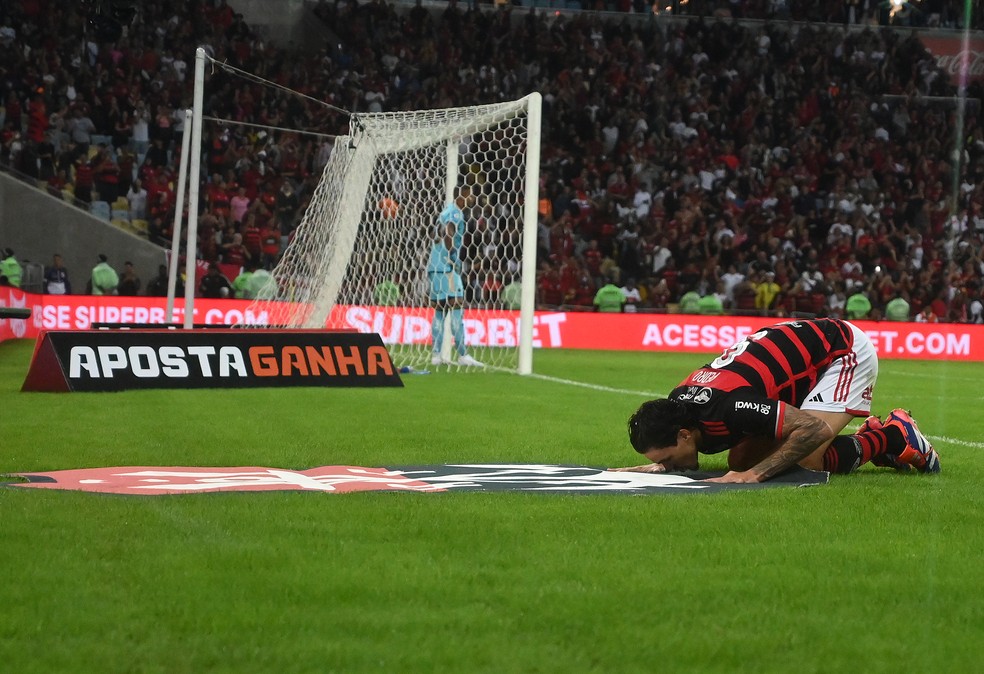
column 360, row 257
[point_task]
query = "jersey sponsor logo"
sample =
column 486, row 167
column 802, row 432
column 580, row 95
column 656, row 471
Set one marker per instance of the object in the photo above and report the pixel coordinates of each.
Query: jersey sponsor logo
column 762, row 408
column 702, row 396
column 556, row 479
column 816, row 399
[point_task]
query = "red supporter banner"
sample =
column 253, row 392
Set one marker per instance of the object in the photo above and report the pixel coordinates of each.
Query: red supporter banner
column 551, row 330
column 949, row 52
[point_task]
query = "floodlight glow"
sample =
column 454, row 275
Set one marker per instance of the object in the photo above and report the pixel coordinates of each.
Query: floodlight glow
column 896, row 7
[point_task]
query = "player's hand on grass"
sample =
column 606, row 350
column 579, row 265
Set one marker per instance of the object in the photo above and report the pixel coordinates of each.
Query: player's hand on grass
column 647, row 468
column 742, row 476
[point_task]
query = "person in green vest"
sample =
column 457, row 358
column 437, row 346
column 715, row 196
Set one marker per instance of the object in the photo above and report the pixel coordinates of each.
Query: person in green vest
column 710, row 305
column 609, row 298
column 10, row 268
column 512, row 295
column 387, row 293
column 897, row 309
column 240, row 282
column 858, row 306
column 259, row 279
column 104, row 278
column 690, row 302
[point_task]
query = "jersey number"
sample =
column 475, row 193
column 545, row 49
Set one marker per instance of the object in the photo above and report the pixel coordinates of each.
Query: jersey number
column 736, row 350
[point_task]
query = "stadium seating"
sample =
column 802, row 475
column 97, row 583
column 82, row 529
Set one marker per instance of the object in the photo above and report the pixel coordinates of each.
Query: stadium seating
column 121, row 209
column 139, row 226
column 101, row 209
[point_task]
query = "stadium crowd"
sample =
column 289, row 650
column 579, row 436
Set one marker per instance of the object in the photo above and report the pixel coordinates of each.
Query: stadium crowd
column 703, row 165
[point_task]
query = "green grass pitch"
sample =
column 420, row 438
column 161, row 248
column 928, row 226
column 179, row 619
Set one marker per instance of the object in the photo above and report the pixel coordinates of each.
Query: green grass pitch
column 875, row 572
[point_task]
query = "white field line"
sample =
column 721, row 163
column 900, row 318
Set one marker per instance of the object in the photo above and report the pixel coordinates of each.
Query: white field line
column 597, row 387
column 929, row 375
column 947, row 440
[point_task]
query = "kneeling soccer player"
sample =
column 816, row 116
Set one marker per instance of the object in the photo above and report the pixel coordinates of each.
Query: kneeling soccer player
column 778, row 399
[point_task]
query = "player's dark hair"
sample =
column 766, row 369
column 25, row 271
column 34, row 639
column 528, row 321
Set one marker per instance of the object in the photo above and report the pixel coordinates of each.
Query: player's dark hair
column 657, row 422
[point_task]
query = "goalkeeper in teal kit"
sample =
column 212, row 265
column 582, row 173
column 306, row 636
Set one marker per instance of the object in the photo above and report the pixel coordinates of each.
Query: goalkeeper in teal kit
column 447, row 291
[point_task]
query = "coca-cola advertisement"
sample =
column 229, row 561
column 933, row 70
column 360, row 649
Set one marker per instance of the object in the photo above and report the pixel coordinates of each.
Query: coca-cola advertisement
column 952, row 57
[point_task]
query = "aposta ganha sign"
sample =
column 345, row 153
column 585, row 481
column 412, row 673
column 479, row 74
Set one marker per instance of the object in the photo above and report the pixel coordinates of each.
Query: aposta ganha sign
column 119, row 360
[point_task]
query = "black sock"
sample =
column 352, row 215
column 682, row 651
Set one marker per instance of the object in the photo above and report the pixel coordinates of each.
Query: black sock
column 894, row 440
column 843, row 455
column 848, row 452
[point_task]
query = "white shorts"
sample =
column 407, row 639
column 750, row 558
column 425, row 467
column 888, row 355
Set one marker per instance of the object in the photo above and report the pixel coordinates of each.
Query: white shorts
column 849, row 381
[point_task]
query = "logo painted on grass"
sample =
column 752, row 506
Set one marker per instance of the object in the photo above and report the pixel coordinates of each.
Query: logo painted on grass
column 562, row 479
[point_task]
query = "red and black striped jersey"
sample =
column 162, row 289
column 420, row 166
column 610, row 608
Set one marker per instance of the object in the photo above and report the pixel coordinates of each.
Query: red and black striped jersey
column 784, row 361
column 744, row 391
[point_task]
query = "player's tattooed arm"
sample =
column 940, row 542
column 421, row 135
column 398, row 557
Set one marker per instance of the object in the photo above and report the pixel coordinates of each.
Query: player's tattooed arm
column 801, row 434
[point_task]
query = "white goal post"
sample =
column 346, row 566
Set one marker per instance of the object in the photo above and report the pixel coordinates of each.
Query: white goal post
column 359, row 258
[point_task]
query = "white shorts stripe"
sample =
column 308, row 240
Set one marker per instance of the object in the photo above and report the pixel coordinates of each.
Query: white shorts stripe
column 847, row 384
column 848, row 365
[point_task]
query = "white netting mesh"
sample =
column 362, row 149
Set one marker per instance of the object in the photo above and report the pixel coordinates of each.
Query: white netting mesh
column 359, row 257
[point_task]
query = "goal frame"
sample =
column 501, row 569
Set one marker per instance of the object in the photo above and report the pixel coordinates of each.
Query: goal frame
column 533, row 105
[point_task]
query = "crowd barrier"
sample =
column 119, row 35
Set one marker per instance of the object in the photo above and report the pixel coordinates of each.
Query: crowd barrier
column 569, row 330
